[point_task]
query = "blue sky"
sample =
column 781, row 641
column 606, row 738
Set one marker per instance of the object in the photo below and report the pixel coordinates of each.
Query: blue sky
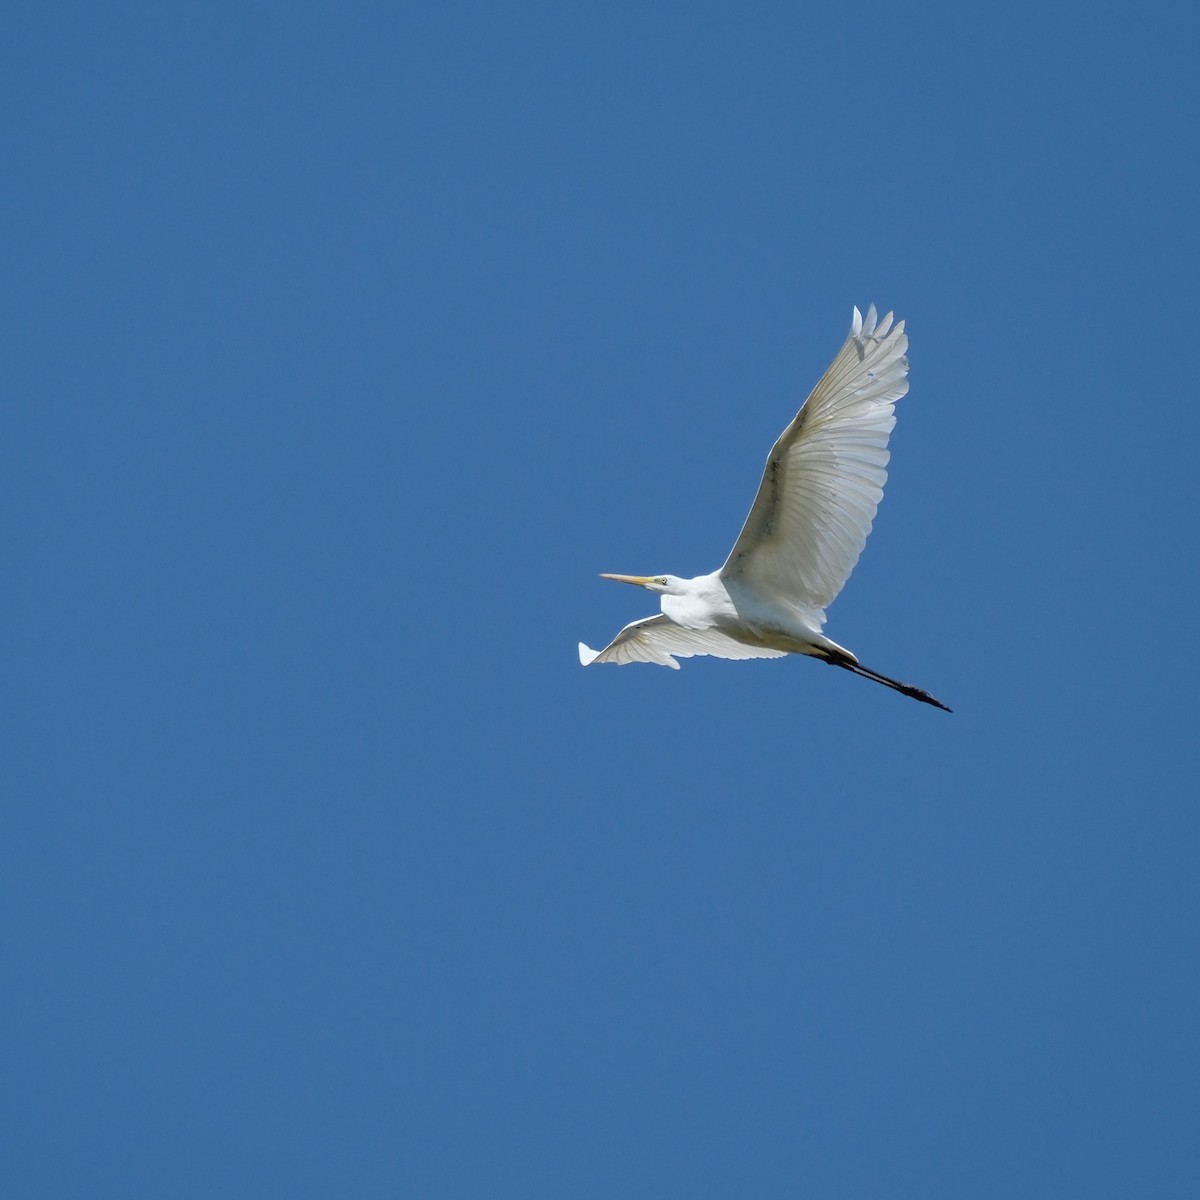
column 345, row 345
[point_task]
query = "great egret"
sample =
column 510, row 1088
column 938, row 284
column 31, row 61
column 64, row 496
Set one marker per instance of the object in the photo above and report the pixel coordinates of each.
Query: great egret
column 822, row 485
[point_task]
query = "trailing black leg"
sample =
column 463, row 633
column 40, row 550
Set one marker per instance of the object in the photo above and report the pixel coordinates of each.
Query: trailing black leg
column 907, row 688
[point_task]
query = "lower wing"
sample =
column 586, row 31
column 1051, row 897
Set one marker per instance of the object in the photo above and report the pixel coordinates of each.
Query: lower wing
column 658, row 640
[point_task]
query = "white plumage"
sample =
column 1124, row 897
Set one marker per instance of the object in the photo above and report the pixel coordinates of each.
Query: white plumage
column 806, row 528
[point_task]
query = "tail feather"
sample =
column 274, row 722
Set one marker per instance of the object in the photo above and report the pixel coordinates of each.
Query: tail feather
column 906, row 688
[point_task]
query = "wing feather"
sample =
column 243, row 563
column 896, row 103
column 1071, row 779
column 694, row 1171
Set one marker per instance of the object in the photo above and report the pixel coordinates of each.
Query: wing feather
column 824, row 477
column 659, row 640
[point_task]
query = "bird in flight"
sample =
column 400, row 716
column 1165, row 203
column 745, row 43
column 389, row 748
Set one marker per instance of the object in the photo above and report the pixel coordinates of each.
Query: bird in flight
column 806, row 529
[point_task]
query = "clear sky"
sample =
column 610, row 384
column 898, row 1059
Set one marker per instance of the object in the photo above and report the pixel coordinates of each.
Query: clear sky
column 344, row 345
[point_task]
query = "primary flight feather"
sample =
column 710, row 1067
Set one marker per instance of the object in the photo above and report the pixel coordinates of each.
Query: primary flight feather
column 807, row 527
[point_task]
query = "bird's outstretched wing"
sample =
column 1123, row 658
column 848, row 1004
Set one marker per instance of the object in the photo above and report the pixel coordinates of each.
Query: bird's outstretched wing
column 825, row 475
column 658, row 639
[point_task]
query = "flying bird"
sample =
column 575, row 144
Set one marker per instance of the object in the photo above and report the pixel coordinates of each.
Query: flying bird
column 806, row 529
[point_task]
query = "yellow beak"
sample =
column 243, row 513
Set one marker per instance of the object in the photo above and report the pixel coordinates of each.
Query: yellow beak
column 640, row 580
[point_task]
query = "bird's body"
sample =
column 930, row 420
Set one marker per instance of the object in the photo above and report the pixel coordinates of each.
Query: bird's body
column 806, row 529
column 721, row 611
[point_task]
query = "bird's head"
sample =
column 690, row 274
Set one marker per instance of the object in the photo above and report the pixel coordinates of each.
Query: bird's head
column 663, row 584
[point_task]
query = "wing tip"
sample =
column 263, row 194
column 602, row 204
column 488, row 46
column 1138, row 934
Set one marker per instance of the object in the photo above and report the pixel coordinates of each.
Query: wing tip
column 587, row 655
column 870, row 328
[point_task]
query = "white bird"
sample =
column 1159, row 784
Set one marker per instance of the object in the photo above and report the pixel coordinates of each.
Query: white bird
column 806, row 529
